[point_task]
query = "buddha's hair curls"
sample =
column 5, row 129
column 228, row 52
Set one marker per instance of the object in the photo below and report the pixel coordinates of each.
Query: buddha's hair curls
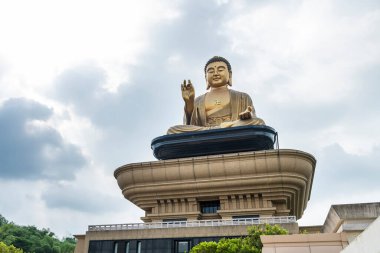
column 218, row 58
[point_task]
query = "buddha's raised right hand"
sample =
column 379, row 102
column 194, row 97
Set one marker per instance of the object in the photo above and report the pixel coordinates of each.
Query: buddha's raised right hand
column 188, row 92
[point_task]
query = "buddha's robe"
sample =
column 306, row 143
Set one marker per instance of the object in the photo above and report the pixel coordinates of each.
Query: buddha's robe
column 227, row 116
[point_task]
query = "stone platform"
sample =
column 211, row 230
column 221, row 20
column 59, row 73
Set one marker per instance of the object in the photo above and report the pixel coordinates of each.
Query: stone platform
column 263, row 183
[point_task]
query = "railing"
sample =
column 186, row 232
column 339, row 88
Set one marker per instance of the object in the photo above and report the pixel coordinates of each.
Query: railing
column 195, row 223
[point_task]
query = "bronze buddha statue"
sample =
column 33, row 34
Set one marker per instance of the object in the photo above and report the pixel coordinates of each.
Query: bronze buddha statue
column 220, row 107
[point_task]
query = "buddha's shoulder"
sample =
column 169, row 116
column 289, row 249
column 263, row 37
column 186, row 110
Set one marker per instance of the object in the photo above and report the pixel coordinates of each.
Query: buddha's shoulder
column 239, row 93
column 200, row 98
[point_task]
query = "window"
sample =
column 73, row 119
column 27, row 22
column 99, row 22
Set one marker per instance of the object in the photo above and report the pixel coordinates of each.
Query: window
column 138, row 247
column 209, row 206
column 174, row 220
column 115, row 247
column 127, row 247
column 246, row 217
column 182, row 246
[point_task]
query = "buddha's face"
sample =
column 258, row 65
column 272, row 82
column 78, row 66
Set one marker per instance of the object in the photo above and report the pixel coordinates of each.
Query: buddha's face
column 217, row 74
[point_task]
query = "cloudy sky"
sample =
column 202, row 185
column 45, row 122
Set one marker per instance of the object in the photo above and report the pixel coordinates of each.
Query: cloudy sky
column 86, row 85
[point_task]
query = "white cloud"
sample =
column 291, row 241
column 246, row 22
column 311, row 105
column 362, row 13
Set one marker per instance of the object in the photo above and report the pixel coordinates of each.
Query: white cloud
column 314, row 51
column 42, row 38
column 32, row 149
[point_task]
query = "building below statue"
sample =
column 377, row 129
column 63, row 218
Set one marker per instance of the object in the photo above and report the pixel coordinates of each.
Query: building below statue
column 209, row 197
column 343, row 223
column 238, row 185
column 169, row 236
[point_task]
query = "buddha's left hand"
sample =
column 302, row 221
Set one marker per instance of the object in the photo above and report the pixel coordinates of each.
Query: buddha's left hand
column 247, row 114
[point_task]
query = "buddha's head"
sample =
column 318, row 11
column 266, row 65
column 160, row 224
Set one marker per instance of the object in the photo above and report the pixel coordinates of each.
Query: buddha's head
column 218, row 72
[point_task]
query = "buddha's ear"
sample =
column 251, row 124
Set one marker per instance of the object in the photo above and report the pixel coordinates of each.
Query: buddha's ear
column 230, row 80
column 207, row 84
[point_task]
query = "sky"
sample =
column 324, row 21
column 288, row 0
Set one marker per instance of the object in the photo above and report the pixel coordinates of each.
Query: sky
column 86, row 85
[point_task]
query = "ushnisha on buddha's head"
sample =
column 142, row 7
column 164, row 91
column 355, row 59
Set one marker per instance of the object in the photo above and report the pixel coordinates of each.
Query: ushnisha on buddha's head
column 218, row 72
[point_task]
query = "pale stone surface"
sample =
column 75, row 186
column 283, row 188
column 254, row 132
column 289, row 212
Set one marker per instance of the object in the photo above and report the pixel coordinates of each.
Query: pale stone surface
column 367, row 241
column 355, row 213
column 80, row 245
column 351, row 218
column 275, row 182
column 304, row 243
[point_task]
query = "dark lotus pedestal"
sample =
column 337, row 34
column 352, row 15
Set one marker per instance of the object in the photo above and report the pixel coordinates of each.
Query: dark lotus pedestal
column 212, row 142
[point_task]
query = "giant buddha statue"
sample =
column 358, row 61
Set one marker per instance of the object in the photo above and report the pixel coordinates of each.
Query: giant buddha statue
column 220, row 107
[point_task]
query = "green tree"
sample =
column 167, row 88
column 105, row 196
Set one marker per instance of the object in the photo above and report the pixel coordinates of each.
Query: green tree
column 9, row 249
column 249, row 244
column 254, row 233
column 68, row 245
column 33, row 240
column 229, row 245
column 3, row 221
column 205, row 247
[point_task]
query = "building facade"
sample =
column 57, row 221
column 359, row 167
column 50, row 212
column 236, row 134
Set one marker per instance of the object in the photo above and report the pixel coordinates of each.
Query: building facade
column 205, row 198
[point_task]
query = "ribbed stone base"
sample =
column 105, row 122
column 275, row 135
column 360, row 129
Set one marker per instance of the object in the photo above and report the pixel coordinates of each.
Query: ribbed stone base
column 246, row 184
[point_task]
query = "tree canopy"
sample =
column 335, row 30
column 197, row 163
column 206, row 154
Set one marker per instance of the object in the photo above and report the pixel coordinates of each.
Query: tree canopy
column 248, row 244
column 32, row 240
column 9, row 249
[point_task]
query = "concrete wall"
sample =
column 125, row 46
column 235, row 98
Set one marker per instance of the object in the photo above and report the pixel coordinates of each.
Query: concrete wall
column 79, row 247
column 350, row 217
column 366, row 242
column 304, row 243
